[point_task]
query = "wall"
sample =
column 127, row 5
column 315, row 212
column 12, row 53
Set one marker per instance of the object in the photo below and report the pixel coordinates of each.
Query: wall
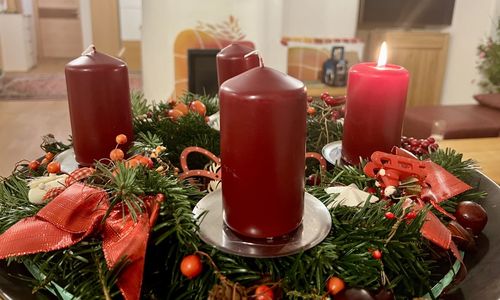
column 320, row 18
column 473, row 21
column 264, row 22
column 130, row 19
column 162, row 20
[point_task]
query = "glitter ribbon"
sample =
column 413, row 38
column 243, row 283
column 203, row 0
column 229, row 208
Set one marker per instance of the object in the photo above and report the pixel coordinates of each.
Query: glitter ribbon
column 77, row 213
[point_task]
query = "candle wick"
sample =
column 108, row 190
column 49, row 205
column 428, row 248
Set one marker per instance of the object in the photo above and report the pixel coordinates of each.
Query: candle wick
column 89, row 50
column 255, row 52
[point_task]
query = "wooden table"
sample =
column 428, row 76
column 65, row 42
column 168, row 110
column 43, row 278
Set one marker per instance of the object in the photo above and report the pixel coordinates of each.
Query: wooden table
column 486, row 151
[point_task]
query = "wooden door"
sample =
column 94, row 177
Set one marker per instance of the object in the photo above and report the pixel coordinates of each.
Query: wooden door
column 423, row 54
column 106, row 26
column 59, row 28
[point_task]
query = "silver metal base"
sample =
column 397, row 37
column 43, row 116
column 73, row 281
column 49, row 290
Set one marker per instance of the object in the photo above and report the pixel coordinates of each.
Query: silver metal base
column 316, row 225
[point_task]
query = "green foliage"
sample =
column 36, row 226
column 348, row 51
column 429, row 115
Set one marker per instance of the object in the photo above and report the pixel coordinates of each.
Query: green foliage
column 140, row 105
column 489, row 63
column 190, row 130
column 14, row 203
column 406, row 265
column 321, row 130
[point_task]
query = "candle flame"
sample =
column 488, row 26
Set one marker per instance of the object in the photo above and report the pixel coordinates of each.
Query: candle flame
column 382, row 57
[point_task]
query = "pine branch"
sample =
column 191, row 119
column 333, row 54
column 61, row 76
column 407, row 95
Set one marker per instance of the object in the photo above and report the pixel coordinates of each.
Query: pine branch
column 140, row 105
column 14, row 204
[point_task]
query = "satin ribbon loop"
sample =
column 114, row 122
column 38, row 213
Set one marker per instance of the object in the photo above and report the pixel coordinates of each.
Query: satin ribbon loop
column 77, row 213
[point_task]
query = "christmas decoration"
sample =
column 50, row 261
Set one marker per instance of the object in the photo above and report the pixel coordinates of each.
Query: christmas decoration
column 116, row 154
column 471, row 216
column 191, row 266
column 357, row 294
column 39, row 186
column 121, row 139
column 389, row 215
column 377, row 254
column 419, row 146
column 335, row 285
column 146, row 188
column 263, row 292
column 34, row 165
column 198, row 107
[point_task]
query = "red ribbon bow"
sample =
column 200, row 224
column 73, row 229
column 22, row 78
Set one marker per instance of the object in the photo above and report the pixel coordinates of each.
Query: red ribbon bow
column 437, row 186
column 77, row 213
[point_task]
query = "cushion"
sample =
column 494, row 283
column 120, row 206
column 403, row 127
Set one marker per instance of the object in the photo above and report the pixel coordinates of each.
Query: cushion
column 490, row 100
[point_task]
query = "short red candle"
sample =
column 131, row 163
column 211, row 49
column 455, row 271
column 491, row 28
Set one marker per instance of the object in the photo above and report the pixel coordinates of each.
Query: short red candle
column 235, row 59
column 375, row 107
column 263, row 131
column 99, row 105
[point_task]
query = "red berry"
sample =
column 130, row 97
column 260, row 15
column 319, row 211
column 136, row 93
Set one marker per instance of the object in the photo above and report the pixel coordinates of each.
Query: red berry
column 310, row 99
column 54, row 167
column 389, row 215
column 182, row 107
column 311, row 110
column 191, row 266
column 324, row 95
column 335, row 285
column 377, row 254
column 411, row 215
column 414, row 142
column 133, row 162
column 121, row 139
column 175, row 114
column 371, row 190
column 49, row 156
column 425, row 144
column 33, row 165
column 198, row 107
column 335, row 115
column 116, row 154
column 313, row 179
column 263, row 292
column 431, row 140
column 146, row 161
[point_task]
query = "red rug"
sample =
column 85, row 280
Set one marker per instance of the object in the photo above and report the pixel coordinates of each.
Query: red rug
column 44, row 86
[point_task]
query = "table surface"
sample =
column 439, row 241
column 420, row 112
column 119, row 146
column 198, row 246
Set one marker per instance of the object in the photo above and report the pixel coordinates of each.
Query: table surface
column 315, row 88
column 486, row 151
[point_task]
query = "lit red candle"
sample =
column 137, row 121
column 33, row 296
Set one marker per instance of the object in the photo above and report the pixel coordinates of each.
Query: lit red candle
column 375, row 107
column 235, row 59
column 99, row 104
column 263, row 132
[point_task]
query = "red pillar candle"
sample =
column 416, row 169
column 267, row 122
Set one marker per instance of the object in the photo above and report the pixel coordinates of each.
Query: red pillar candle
column 375, row 107
column 263, row 132
column 235, row 59
column 99, row 104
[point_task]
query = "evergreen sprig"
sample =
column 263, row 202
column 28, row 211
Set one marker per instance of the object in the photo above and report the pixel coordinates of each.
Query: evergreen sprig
column 406, row 266
column 14, row 203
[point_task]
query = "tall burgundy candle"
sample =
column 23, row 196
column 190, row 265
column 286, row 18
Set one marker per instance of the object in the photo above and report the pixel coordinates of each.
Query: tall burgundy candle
column 263, row 132
column 375, row 107
column 235, row 59
column 99, row 104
